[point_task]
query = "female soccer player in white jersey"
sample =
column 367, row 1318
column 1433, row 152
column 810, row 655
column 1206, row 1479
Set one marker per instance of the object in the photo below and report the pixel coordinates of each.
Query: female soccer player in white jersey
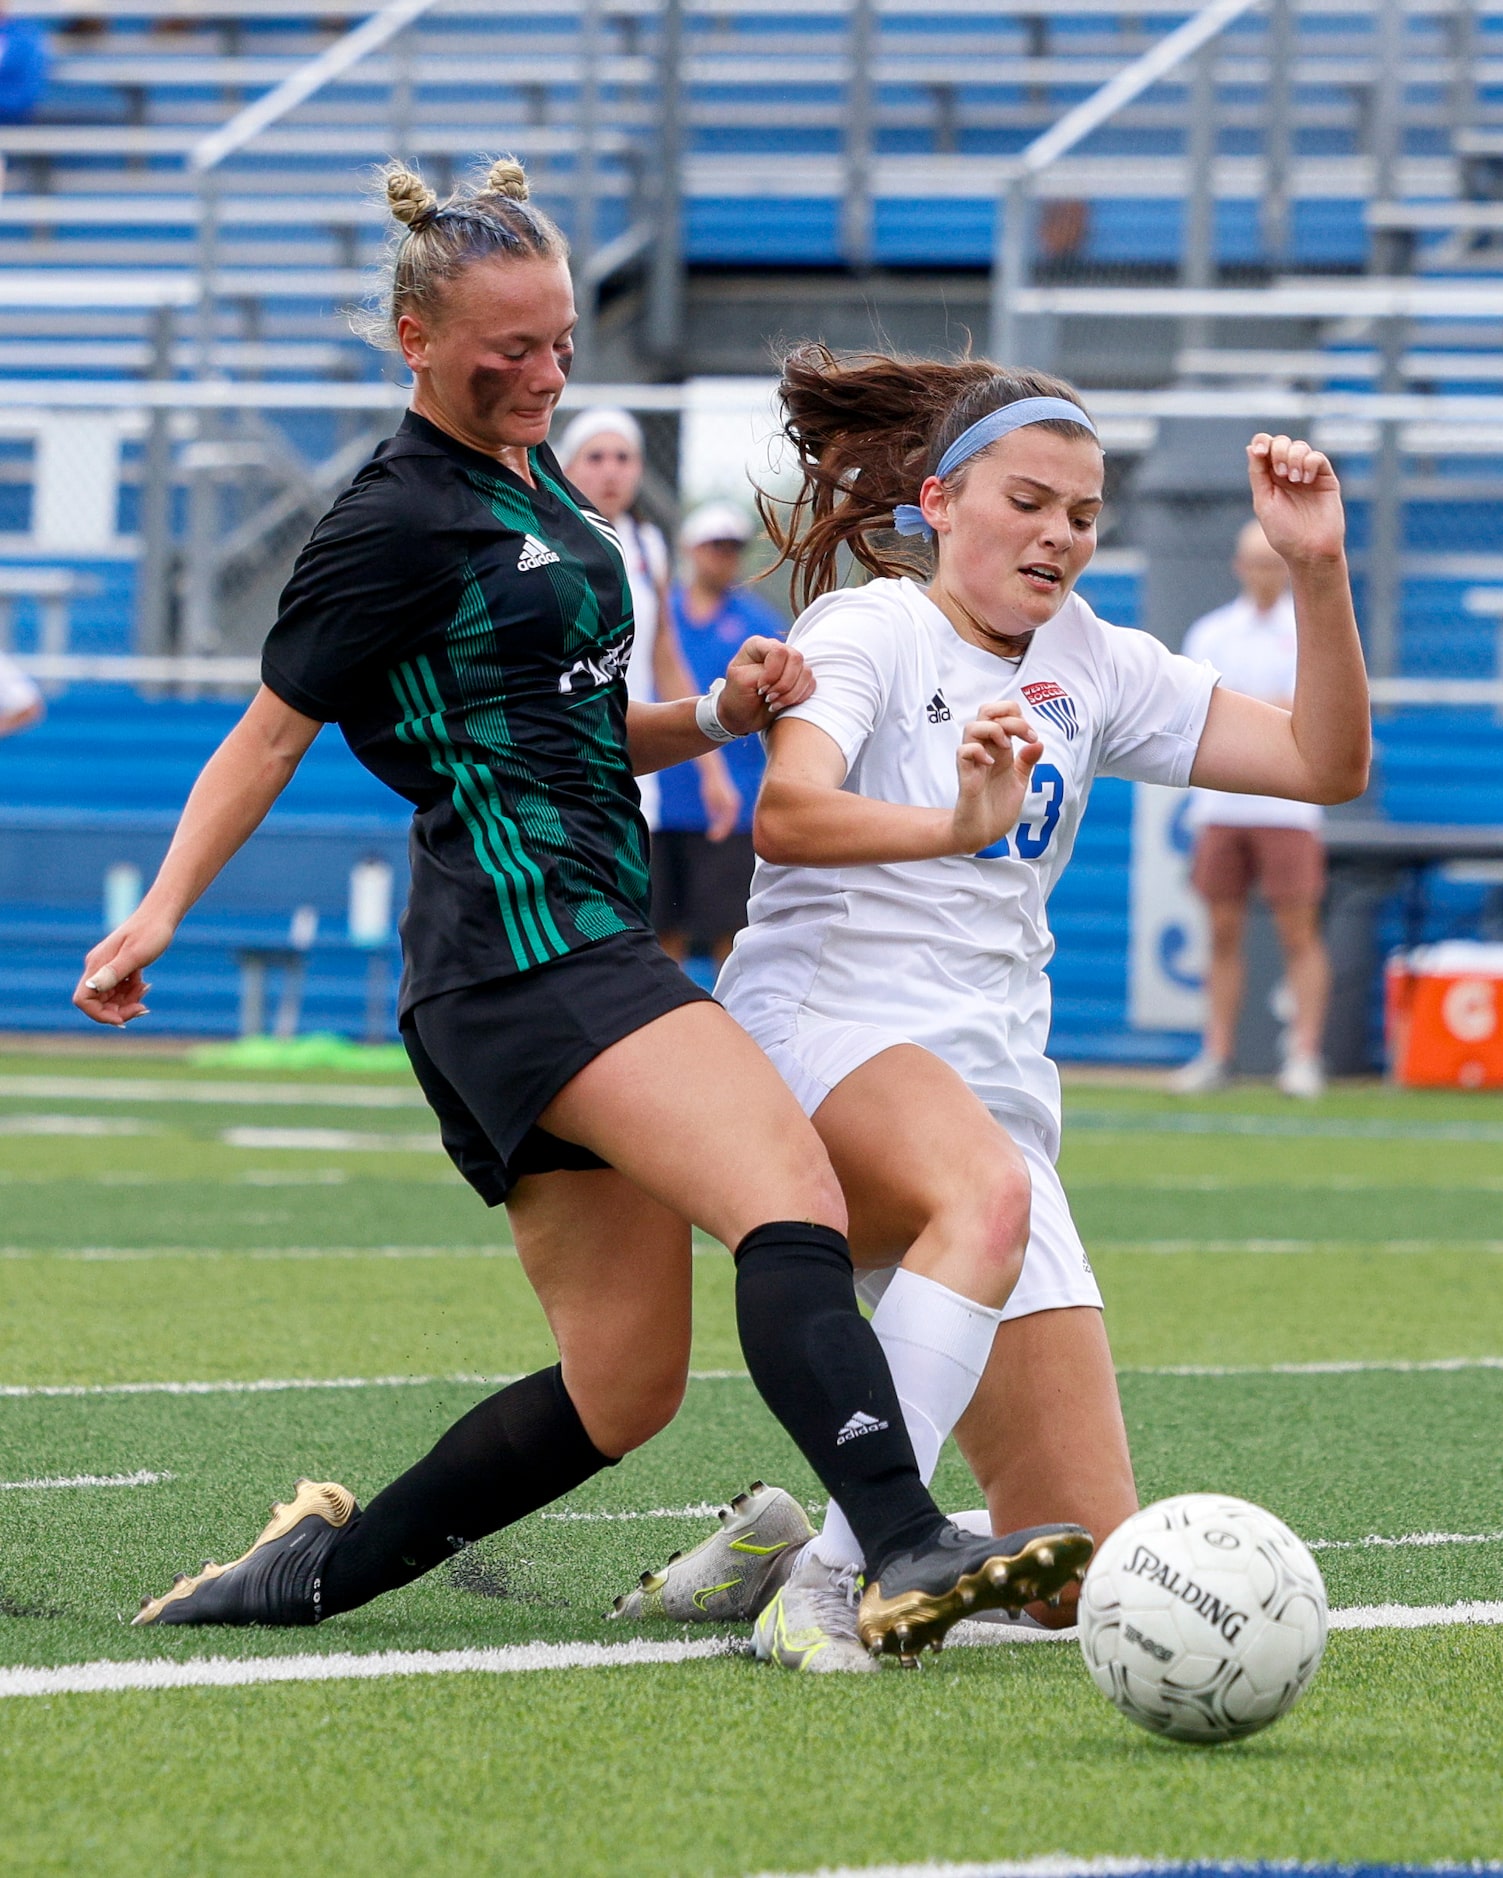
column 916, row 813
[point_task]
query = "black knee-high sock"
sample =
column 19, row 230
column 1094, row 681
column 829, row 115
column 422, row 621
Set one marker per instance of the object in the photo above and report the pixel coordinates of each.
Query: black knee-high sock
column 511, row 1454
column 820, row 1369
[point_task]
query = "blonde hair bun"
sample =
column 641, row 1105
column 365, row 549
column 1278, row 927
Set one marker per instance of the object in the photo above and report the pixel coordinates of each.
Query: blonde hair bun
column 506, row 177
column 407, row 195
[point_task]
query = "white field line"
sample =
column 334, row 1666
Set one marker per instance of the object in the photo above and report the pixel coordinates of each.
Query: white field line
column 1173, row 1248
column 266, row 1385
column 275, row 1385
column 332, row 1140
column 699, row 1509
column 1279, row 1127
column 1377, row 1541
column 92, row 1126
column 130, row 1255
column 245, row 1094
column 1397, row 1366
column 1064, row 1865
column 1417, row 1616
column 139, row 1479
column 223, row 1672
column 219, row 1672
column 707, row 1509
column 702, row 1509
column 1297, row 1183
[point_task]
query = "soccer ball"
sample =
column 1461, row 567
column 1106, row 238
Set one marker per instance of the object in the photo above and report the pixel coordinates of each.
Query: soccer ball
column 1203, row 1618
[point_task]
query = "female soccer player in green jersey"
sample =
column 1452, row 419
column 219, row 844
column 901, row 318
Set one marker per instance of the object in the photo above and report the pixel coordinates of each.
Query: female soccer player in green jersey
column 464, row 617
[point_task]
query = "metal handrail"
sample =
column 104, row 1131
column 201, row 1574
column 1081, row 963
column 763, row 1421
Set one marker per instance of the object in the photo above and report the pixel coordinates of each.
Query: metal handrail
column 1010, row 267
column 348, row 50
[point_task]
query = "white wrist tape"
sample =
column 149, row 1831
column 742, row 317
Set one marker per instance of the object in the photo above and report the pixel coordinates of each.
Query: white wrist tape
column 707, row 716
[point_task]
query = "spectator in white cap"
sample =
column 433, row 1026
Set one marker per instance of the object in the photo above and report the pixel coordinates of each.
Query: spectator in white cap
column 698, row 890
column 601, row 454
column 20, row 702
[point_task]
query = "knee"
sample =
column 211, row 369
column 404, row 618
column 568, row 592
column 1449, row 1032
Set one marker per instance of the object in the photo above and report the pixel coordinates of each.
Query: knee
column 807, row 1191
column 1226, row 926
column 991, row 1220
column 628, row 1411
column 827, row 1199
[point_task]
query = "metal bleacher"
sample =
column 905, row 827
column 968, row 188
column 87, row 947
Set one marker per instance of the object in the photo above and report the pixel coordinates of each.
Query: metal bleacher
column 868, row 134
column 1303, row 218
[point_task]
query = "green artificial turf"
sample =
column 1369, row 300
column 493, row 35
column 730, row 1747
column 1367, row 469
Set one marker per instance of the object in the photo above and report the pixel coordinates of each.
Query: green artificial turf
column 722, row 1768
column 1237, row 1234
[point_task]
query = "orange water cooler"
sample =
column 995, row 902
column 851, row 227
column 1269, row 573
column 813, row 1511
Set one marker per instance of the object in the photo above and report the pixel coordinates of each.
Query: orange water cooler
column 1443, row 1016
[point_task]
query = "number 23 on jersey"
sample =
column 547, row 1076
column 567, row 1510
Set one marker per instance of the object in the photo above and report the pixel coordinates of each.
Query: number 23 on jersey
column 1036, row 825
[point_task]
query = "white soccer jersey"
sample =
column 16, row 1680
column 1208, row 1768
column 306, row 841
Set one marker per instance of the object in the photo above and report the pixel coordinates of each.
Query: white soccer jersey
column 950, row 953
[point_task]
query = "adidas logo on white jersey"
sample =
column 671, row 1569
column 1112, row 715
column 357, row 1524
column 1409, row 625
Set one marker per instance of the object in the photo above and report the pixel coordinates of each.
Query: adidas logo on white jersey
column 860, row 1424
column 939, row 711
column 535, row 553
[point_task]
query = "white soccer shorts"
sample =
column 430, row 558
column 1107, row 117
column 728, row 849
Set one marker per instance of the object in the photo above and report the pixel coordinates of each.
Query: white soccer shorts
column 815, row 1054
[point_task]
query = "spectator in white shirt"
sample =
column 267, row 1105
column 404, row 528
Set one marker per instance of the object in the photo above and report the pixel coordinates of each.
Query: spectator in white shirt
column 1262, row 841
column 603, row 453
column 20, row 702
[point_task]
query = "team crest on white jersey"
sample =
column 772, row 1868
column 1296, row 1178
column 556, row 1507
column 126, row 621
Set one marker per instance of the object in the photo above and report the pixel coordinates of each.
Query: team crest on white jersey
column 535, row 553
column 1055, row 703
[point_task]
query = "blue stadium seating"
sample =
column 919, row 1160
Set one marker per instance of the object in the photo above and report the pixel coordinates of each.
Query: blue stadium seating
column 103, row 779
column 101, row 782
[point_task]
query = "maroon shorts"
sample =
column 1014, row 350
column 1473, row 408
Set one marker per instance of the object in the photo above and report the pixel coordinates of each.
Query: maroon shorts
column 1288, row 864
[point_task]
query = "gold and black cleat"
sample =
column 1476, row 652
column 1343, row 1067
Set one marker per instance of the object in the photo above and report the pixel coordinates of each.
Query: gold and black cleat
column 912, row 1604
column 277, row 1581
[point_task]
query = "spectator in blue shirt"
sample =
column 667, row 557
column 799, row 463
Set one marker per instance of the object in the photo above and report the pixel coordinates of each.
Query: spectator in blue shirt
column 699, row 887
column 24, row 66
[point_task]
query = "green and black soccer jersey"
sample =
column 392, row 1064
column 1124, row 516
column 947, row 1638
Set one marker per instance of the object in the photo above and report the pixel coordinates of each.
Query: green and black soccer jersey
column 469, row 635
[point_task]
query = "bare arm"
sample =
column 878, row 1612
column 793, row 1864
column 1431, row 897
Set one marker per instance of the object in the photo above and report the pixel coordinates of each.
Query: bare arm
column 671, row 678
column 765, row 677
column 1318, row 750
column 806, row 819
column 227, row 804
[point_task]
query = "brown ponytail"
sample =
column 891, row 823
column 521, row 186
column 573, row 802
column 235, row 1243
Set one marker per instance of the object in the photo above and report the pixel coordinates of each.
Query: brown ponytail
column 867, row 429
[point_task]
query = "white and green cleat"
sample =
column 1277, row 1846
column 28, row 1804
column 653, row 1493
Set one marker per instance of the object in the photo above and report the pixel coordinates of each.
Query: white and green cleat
column 810, row 1624
column 728, row 1577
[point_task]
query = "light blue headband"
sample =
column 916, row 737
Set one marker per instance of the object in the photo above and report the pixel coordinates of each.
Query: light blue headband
column 908, row 517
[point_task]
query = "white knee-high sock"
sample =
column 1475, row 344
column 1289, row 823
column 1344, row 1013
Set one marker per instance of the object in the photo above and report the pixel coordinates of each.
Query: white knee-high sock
column 937, row 1344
